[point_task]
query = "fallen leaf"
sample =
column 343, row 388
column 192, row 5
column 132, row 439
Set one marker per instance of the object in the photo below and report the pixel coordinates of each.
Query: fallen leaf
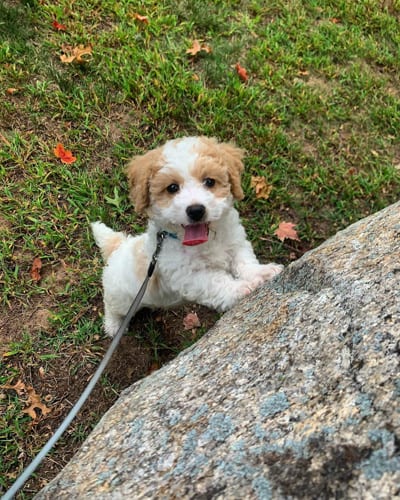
column 261, row 187
column 35, row 269
column 59, row 27
column 64, row 154
column 241, row 72
column 142, row 19
column 153, row 367
column 19, row 387
column 352, row 171
column 198, row 47
column 191, row 321
column 35, row 403
column 194, row 49
column 286, row 231
column 78, row 55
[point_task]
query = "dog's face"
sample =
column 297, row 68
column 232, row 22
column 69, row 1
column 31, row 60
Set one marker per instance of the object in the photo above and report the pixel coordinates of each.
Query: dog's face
column 188, row 182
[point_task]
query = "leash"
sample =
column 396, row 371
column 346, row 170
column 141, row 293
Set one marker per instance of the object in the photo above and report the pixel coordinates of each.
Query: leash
column 30, row 469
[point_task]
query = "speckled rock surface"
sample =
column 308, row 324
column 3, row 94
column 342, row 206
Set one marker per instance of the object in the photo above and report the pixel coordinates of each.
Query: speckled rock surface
column 294, row 394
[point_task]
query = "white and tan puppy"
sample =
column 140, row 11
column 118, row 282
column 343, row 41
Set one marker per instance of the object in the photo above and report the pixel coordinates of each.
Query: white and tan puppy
column 186, row 187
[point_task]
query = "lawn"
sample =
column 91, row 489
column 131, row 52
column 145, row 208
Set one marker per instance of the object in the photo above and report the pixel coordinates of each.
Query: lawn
column 318, row 113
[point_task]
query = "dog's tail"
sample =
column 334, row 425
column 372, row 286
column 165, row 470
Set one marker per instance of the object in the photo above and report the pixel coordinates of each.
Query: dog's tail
column 106, row 239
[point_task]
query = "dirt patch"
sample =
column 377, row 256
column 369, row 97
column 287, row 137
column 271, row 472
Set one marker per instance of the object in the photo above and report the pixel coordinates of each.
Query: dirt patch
column 19, row 319
column 59, row 378
column 321, row 85
column 33, row 315
column 4, row 224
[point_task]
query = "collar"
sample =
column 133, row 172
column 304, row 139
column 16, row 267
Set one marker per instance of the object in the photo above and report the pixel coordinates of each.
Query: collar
column 174, row 236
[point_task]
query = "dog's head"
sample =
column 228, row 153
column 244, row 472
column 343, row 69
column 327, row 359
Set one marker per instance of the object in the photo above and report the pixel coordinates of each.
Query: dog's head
column 188, row 182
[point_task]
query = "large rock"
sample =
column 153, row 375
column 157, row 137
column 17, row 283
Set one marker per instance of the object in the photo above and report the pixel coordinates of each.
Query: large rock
column 293, row 394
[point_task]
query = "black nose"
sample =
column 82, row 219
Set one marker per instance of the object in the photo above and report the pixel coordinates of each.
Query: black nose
column 196, row 212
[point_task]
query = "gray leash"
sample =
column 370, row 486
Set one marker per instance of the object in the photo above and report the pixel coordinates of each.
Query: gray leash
column 21, row 480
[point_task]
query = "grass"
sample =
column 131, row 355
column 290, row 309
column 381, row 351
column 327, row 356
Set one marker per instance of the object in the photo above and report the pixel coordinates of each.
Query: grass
column 319, row 118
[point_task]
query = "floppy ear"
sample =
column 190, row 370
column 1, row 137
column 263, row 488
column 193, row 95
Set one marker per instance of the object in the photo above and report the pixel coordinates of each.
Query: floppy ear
column 139, row 171
column 233, row 159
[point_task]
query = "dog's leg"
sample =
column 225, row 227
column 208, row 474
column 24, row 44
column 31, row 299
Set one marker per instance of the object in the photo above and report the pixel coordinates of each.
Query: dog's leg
column 215, row 289
column 246, row 266
column 112, row 321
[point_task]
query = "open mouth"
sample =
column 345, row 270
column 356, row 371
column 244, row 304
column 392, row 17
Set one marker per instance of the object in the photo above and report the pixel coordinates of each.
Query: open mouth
column 195, row 234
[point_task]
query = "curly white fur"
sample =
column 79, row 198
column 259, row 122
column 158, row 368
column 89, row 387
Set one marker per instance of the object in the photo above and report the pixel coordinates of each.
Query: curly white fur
column 215, row 273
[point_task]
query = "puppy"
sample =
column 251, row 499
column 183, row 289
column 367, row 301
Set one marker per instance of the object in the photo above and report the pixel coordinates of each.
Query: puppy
column 187, row 188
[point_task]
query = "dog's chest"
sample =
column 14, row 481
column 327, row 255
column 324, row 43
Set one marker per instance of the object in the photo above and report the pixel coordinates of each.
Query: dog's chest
column 210, row 255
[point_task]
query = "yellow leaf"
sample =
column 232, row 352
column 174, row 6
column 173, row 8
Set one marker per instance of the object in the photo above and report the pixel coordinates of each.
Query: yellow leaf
column 78, row 55
column 261, row 187
column 198, row 47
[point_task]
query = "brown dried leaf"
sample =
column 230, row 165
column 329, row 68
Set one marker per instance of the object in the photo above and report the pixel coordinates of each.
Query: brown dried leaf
column 154, row 367
column 261, row 187
column 19, row 387
column 35, row 269
column 35, row 403
column 33, row 399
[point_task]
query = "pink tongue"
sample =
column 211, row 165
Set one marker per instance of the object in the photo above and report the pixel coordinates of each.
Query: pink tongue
column 195, row 234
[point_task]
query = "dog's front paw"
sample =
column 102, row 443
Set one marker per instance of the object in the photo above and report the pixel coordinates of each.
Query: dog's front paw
column 268, row 271
column 230, row 296
column 256, row 275
column 112, row 323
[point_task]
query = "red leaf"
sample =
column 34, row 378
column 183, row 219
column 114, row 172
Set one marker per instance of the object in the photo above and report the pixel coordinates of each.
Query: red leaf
column 59, row 27
column 35, row 270
column 241, row 72
column 286, row 230
column 191, row 321
column 64, row 155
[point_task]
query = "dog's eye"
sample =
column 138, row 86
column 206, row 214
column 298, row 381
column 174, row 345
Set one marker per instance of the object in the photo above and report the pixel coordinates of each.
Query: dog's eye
column 208, row 182
column 173, row 188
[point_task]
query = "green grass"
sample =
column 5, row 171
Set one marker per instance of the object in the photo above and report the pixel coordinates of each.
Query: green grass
column 319, row 118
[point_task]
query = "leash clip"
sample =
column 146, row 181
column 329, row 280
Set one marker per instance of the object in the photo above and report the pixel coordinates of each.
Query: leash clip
column 161, row 235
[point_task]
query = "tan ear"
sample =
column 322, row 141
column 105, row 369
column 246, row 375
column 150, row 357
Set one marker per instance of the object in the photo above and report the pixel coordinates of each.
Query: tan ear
column 233, row 159
column 139, row 171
